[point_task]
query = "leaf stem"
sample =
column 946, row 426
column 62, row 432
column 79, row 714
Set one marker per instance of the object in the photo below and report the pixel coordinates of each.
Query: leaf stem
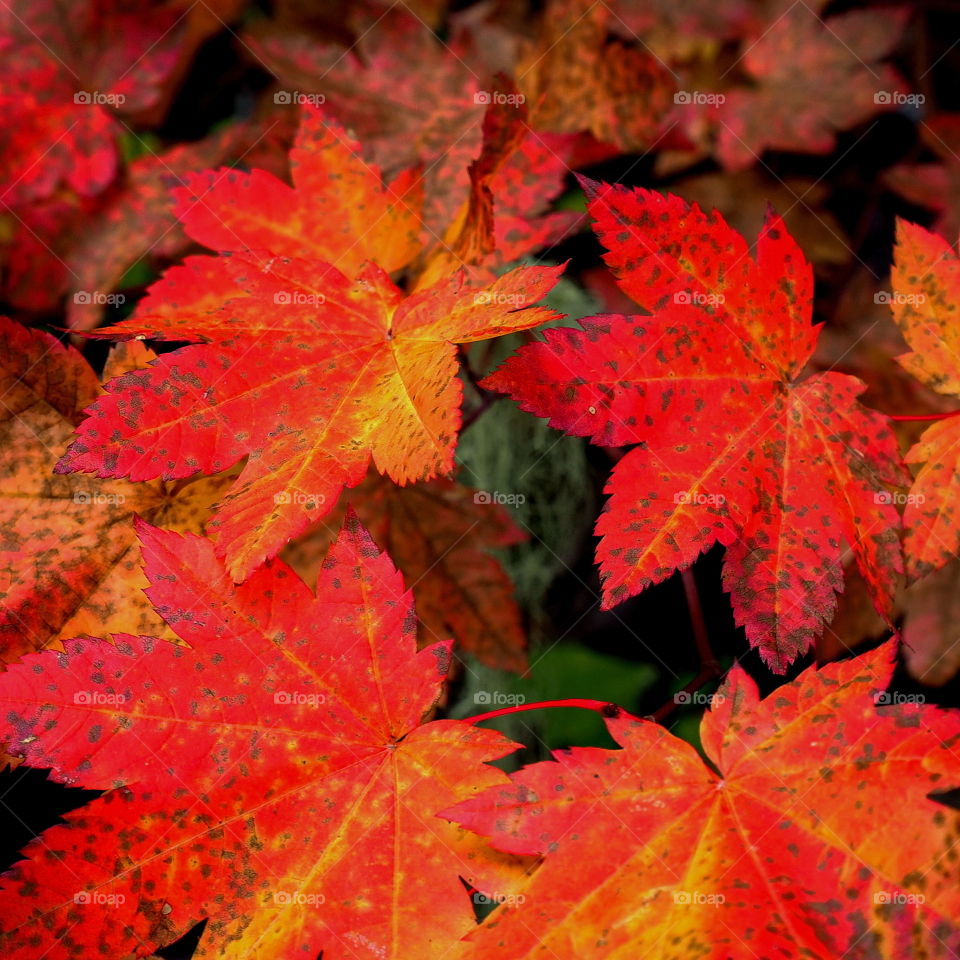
column 923, row 416
column 487, row 398
column 487, row 401
column 599, row 706
column 709, row 665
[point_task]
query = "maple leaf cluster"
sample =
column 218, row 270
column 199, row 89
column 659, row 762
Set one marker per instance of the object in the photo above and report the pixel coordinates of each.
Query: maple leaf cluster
column 264, row 391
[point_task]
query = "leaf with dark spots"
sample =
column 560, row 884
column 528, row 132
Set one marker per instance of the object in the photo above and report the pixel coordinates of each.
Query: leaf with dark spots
column 789, row 849
column 138, row 218
column 273, row 775
column 69, row 70
column 926, row 306
column 439, row 536
column 306, row 371
column 428, row 115
column 69, row 559
column 732, row 447
column 577, row 78
column 807, row 79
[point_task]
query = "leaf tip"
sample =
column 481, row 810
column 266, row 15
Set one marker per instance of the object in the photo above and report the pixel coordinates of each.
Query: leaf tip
column 590, row 187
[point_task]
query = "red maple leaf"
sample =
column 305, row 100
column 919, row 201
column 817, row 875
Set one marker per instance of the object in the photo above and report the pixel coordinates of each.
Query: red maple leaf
column 69, row 72
column 273, row 777
column 439, row 534
column 69, row 557
column 505, row 216
column 437, row 116
column 732, row 446
column 409, row 98
column 926, row 307
column 138, row 216
column 792, row 843
column 805, row 79
column 576, row 78
column 345, row 367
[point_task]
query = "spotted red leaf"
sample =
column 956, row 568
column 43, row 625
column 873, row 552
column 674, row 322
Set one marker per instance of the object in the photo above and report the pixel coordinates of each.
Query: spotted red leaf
column 138, row 217
column 69, row 71
column 409, row 98
column 440, row 535
column 505, row 216
column 576, row 78
column 807, row 78
column 275, row 776
column 307, row 371
column 812, row 834
column 926, row 306
column 69, row 557
column 731, row 445
column 437, row 116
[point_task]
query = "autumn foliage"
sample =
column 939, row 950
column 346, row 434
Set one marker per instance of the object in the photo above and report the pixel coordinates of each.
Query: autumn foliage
column 454, row 367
